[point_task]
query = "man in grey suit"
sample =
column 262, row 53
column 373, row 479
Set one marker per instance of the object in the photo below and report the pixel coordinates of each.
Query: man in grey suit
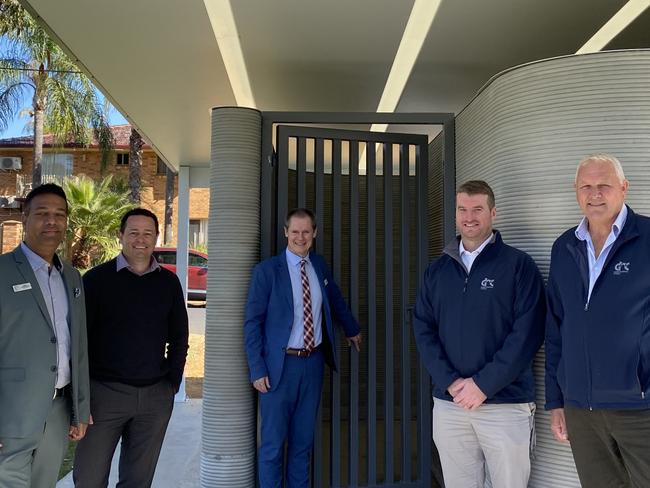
column 44, row 390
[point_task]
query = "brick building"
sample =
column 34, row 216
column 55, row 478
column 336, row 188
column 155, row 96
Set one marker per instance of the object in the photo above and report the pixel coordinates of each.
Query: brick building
column 16, row 159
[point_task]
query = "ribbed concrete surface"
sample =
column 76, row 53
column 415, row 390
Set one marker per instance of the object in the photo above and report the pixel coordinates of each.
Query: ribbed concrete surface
column 228, row 431
column 524, row 134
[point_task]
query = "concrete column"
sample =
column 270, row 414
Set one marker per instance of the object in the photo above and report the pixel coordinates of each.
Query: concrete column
column 182, row 244
column 183, row 230
column 228, row 430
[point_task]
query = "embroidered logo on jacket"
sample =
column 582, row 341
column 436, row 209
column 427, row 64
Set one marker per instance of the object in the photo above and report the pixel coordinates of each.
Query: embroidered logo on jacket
column 621, row 267
column 487, row 284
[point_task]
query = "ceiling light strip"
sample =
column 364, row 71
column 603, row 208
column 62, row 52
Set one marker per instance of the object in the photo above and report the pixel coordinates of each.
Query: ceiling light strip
column 415, row 33
column 614, row 26
column 225, row 31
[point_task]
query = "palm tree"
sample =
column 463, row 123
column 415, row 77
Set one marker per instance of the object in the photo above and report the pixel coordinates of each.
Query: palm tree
column 135, row 164
column 64, row 101
column 94, row 213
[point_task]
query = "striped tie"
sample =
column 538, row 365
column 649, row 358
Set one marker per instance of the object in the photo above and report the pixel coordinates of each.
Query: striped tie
column 306, row 303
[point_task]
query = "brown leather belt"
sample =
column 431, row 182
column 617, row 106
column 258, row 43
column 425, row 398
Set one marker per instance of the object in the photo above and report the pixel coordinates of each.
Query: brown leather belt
column 301, row 353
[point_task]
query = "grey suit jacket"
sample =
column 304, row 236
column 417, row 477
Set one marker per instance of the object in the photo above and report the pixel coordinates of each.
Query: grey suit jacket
column 28, row 354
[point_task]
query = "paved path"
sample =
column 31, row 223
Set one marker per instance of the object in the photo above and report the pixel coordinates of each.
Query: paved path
column 178, row 466
column 196, row 318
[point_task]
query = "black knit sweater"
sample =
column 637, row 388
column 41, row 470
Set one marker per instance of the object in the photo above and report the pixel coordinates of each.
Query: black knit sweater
column 137, row 325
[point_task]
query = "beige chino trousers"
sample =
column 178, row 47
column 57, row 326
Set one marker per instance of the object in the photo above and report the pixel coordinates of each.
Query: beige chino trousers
column 494, row 441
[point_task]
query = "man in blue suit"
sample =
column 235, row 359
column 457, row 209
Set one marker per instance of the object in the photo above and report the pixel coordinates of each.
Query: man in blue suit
column 289, row 335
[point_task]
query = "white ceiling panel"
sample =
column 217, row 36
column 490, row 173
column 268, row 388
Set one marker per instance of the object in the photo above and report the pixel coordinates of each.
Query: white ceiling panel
column 159, row 61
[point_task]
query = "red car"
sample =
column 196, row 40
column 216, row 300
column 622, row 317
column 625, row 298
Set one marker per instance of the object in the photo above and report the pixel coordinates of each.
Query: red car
column 197, row 270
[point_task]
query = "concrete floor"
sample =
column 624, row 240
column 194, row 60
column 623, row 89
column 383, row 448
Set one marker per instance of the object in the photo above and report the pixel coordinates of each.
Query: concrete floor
column 196, row 317
column 178, row 466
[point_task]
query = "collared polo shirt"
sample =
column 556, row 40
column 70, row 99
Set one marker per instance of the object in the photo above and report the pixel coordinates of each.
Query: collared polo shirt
column 468, row 257
column 123, row 263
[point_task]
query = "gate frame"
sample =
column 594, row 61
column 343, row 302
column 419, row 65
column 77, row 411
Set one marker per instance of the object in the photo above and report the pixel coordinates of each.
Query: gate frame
column 446, row 119
column 269, row 160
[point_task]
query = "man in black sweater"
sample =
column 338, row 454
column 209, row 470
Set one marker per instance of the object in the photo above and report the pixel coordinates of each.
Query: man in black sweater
column 137, row 344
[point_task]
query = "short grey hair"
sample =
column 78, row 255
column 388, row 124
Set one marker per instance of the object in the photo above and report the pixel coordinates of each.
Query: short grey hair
column 602, row 158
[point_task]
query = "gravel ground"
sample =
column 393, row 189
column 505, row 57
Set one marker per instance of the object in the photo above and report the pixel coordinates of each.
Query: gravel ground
column 194, row 366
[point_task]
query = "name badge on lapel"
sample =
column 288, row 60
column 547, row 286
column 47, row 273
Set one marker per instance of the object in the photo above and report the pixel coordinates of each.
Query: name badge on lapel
column 77, row 292
column 22, row 287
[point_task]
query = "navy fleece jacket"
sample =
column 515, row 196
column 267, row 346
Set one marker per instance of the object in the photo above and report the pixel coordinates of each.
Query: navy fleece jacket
column 487, row 324
column 598, row 351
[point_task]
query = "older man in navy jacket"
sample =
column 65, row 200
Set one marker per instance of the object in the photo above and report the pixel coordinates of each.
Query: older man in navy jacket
column 598, row 332
column 289, row 336
column 478, row 322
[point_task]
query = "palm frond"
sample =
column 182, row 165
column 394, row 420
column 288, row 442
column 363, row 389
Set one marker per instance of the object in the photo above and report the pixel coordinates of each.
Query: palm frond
column 13, row 18
column 72, row 109
column 95, row 210
column 11, row 98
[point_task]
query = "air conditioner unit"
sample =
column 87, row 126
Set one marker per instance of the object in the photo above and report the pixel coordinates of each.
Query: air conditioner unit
column 14, row 162
column 12, row 202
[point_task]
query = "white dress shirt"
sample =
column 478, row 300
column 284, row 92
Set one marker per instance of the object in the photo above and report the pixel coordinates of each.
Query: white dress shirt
column 50, row 282
column 596, row 264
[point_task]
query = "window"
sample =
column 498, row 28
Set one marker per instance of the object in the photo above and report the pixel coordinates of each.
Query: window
column 56, row 167
column 122, row 159
column 165, row 257
column 161, row 168
column 196, row 260
column 198, row 232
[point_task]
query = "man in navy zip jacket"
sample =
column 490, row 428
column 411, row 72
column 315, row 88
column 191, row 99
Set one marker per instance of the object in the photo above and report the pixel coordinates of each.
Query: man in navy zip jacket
column 598, row 332
column 478, row 322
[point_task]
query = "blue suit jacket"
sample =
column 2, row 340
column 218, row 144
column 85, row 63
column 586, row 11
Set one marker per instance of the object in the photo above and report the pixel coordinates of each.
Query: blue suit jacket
column 269, row 316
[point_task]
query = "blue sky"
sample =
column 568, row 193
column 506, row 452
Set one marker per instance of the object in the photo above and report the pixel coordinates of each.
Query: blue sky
column 17, row 126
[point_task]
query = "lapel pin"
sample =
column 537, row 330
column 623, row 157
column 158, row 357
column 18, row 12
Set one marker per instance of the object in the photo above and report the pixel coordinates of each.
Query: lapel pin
column 77, row 292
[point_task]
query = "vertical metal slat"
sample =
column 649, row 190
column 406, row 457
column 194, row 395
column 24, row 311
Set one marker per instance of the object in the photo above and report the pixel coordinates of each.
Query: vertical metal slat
column 319, row 157
column 449, row 180
column 424, row 382
column 301, row 168
column 353, row 480
column 371, row 184
column 336, row 270
column 388, row 305
column 318, row 198
column 404, row 325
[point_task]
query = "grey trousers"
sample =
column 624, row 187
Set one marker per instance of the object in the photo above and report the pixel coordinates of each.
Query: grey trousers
column 493, row 438
column 34, row 462
column 137, row 415
column 610, row 447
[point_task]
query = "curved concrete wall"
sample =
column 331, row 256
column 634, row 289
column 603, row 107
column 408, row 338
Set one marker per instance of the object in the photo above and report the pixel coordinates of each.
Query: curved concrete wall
column 524, row 133
column 228, row 432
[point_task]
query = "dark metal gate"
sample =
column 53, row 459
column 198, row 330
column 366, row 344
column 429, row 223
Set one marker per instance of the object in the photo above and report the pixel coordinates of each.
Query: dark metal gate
column 369, row 191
